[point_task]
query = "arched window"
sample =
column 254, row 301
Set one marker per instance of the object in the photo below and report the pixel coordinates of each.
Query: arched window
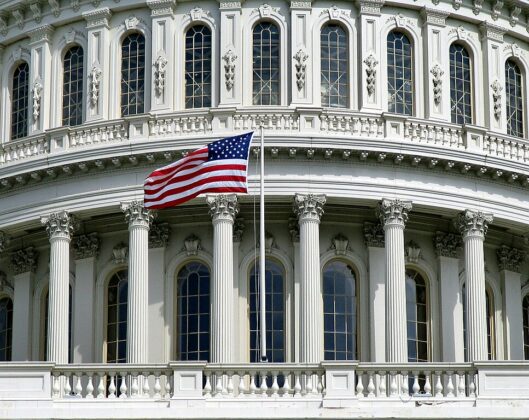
column 339, row 311
column 489, row 302
column 198, row 67
column 417, row 317
column 514, row 98
column 19, row 102
column 460, row 85
column 6, row 329
column 193, row 317
column 334, row 66
column 133, row 74
column 116, row 306
column 45, row 324
column 400, row 73
column 275, row 312
column 266, row 45
column 72, row 92
column 525, row 307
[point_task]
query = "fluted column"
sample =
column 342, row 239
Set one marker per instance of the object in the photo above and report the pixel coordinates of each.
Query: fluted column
column 139, row 219
column 393, row 216
column 473, row 226
column 309, row 209
column 60, row 227
column 223, row 209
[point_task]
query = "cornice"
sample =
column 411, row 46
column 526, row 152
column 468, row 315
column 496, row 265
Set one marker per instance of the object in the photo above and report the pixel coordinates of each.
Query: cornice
column 98, row 17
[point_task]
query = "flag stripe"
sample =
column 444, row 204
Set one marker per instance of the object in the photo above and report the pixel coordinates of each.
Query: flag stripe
column 196, row 160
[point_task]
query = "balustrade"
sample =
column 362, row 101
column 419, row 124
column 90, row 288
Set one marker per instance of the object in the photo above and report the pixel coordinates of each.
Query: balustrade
column 22, row 149
column 98, row 134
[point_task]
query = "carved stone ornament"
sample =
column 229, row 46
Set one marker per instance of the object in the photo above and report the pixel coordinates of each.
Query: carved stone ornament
column 137, row 214
column 131, row 22
column 371, row 7
column 437, row 82
column 238, row 229
column 94, row 80
column 24, row 260
column 75, row 5
column 229, row 69
column 510, row 258
column 159, row 74
column 496, row 98
column 412, row 251
column 340, row 244
column 223, row 206
column 86, row 246
column 496, row 9
column 270, row 242
column 393, row 211
column 301, row 68
column 265, row 10
column 18, row 15
column 398, row 20
column 37, row 97
column 371, row 73
column 309, row 206
column 335, row 12
column 61, row 224
column 514, row 48
column 3, row 24
column 374, row 235
column 120, row 253
column 36, row 10
column 447, row 244
column 456, row 4
column 159, row 235
column 515, row 15
column 69, row 37
column 5, row 286
column 473, row 223
column 198, row 13
column 477, row 6
column 460, row 32
column 55, row 7
column 192, row 245
column 4, row 241
column 293, row 229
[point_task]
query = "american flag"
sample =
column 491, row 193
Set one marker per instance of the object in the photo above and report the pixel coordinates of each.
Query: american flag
column 220, row 166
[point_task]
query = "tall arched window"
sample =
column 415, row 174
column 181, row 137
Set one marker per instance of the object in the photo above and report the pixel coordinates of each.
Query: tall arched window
column 525, row 308
column 400, row 73
column 266, row 50
column 117, row 298
column 417, row 317
column 339, row 311
column 72, row 92
column 193, row 318
column 514, row 98
column 133, row 74
column 45, row 324
column 275, row 312
column 6, row 329
column 489, row 307
column 460, row 85
column 19, row 102
column 198, row 67
column 334, row 66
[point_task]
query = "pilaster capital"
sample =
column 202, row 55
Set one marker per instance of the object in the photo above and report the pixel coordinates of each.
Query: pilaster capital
column 472, row 223
column 434, row 16
column 238, row 229
column 510, row 258
column 309, row 206
column 98, row 17
column 85, row 246
column 60, row 225
column 24, row 260
column 492, row 32
column 447, row 244
column 137, row 215
column 4, row 241
column 374, row 235
column 223, row 207
column 40, row 34
column 370, row 7
column 230, row 5
column 393, row 212
column 293, row 229
column 301, row 4
column 161, row 7
column 159, row 235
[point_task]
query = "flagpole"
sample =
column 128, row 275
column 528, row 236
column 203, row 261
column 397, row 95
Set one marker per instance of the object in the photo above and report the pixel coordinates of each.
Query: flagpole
column 262, row 261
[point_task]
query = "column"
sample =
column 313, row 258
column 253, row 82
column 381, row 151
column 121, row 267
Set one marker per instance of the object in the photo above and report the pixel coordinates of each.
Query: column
column 293, row 228
column 60, row 227
column 24, row 266
column 301, row 41
column 473, row 226
column 230, row 53
column 509, row 261
column 85, row 250
column 223, row 208
column 139, row 220
column 447, row 246
column 309, row 209
column 393, row 217
column 374, row 240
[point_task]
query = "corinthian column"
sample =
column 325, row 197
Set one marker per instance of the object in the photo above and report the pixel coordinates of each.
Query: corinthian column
column 60, row 227
column 139, row 219
column 309, row 209
column 393, row 216
column 473, row 226
column 223, row 209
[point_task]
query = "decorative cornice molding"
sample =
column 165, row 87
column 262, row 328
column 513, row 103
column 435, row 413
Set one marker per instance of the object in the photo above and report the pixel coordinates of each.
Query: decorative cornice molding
column 223, row 206
column 159, row 234
column 85, row 246
column 98, row 17
column 24, row 260
column 161, row 7
column 309, row 206
column 230, row 5
column 510, row 258
column 374, row 235
column 370, row 7
column 137, row 215
column 60, row 225
column 393, row 212
column 300, row 4
column 473, row 223
column 491, row 31
column 447, row 244
column 434, row 16
column 238, row 229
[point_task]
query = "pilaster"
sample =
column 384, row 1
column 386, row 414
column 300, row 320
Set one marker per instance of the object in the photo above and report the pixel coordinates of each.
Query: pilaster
column 301, row 41
column 239, row 314
column 230, row 53
column 293, row 228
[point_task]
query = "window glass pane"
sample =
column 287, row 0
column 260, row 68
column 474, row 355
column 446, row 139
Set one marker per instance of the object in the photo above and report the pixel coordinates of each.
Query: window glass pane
column 417, row 317
column 117, row 297
column 198, row 67
column 400, row 83
column 334, row 66
column 72, row 92
column 514, row 99
column 132, row 74
column 6, row 329
column 265, row 64
column 460, row 85
column 19, row 102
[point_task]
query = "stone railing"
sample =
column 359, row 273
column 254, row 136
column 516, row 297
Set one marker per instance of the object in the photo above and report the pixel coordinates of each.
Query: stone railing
column 96, row 134
column 24, row 148
column 357, row 125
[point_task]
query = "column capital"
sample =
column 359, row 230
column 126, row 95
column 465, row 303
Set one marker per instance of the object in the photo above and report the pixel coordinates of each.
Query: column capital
column 370, row 7
column 137, row 215
column 4, row 241
column 492, row 32
column 301, row 4
column 98, row 17
column 223, row 207
column 309, row 206
column 473, row 223
column 85, row 246
column 24, row 260
column 447, row 244
column 161, row 7
column 374, row 235
column 40, row 34
column 509, row 258
column 230, row 4
column 434, row 16
column 393, row 212
column 60, row 224
column 159, row 235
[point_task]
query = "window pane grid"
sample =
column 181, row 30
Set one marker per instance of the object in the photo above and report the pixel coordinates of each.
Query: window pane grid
column 417, row 317
column 6, row 329
column 19, row 102
column 117, row 297
column 400, row 80
column 334, row 66
column 266, row 89
column 198, row 67
column 72, row 93
column 514, row 98
column 133, row 74
column 460, row 85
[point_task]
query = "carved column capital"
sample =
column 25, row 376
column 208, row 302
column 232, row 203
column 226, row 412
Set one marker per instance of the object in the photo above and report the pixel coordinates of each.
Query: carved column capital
column 309, row 206
column 85, row 246
column 24, row 260
column 510, row 258
column 374, row 235
column 137, row 215
column 159, row 235
column 393, row 212
column 60, row 225
column 4, row 241
column 473, row 223
column 447, row 244
column 223, row 207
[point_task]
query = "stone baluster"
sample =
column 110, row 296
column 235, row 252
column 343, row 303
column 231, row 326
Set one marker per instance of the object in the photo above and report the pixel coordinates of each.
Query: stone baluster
column 473, row 226
column 60, row 227
column 393, row 216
